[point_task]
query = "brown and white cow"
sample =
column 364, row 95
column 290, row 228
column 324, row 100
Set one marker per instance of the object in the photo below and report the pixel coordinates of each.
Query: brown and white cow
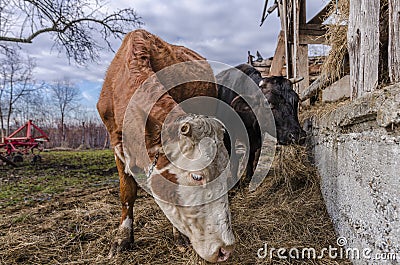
column 180, row 192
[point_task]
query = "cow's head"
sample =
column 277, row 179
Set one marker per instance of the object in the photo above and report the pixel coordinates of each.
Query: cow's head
column 283, row 101
column 189, row 183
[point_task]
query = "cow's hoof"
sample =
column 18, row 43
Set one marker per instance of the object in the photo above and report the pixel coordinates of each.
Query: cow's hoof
column 122, row 241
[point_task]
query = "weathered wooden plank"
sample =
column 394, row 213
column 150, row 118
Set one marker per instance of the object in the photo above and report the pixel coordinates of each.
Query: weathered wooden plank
column 263, row 17
column 394, row 40
column 312, row 39
column 312, row 29
column 312, row 90
column 303, row 12
column 313, row 34
column 295, row 24
column 302, row 68
column 279, row 57
column 363, row 46
column 284, row 21
column 302, row 51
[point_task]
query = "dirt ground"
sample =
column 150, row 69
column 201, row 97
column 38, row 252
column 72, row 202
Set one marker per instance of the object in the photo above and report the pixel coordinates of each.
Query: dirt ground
column 73, row 215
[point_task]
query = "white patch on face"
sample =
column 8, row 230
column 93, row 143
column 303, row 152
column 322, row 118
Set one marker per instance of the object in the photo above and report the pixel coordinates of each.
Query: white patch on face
column 205, row 216
column 127, row 223
column 208, row 226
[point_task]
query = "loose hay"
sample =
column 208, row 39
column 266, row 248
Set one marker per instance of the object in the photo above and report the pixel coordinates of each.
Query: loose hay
column 333, row 67
column 287, row 211
column 320, row 109
column 336, row 65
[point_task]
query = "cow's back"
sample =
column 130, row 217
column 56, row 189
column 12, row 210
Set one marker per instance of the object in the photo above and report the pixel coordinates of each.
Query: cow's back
column 139, row 57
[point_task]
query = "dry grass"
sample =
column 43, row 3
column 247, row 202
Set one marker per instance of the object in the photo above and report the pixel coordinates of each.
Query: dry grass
column 320, row 109
column 333, row 67
column 76, row 227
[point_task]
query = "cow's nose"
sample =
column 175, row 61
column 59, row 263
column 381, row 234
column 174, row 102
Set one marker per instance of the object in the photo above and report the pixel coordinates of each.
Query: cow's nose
column 224, row 254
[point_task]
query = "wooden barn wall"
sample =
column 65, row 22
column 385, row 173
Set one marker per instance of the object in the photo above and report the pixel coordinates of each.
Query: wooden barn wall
column 363, row 46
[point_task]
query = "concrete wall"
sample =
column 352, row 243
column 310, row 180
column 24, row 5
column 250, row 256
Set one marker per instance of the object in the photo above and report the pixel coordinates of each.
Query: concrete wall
column 357, row 151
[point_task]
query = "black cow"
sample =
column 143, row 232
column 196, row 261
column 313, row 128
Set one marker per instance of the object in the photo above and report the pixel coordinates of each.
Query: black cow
column 282, row 100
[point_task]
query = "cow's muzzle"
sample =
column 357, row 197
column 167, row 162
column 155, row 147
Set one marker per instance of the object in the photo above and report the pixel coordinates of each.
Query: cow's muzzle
column 293, row 137
column 223, row 254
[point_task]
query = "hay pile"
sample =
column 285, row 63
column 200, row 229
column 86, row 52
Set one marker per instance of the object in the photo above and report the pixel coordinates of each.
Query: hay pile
column 336, row 63
column 77, row 227
column 320, row 109
column 333, row 67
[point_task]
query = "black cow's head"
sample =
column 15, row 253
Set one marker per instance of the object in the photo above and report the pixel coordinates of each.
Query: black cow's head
column 283, row 101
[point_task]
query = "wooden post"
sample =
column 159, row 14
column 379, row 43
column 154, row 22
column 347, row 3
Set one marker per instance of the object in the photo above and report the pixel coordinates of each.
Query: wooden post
column 279, row 57
column 302, row 50
column 394, row 40
column 363, row 46
column 285, row 29
column 296, row 28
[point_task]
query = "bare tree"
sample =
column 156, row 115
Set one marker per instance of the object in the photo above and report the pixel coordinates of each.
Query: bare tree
column 65, row 96
column 16, row 82
column 77, row 26
column 33, row 106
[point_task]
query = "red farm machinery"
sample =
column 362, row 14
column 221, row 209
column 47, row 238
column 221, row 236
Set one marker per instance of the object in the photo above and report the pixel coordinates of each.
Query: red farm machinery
column 26, row 140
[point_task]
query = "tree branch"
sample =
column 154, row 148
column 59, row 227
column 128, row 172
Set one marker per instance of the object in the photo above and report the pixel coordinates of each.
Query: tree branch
column 74, row 24
column 30, row 38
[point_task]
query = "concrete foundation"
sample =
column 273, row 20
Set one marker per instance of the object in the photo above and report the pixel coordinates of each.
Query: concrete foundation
column 357, row 151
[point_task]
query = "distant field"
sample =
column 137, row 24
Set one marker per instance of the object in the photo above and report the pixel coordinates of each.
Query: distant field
column 59, row 172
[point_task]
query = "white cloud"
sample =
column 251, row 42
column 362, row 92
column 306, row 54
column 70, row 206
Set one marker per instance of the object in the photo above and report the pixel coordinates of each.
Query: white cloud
column 86, row 95
column 219, row 30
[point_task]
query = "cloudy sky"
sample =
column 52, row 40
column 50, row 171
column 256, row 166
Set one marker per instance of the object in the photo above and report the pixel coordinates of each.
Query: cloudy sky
column 221, row 31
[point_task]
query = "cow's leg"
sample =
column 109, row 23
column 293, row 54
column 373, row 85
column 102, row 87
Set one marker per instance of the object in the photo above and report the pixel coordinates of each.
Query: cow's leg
column 128, row 192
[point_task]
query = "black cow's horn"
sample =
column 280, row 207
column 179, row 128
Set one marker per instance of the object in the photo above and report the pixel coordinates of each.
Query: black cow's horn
column 262, row 82
column 296, row 80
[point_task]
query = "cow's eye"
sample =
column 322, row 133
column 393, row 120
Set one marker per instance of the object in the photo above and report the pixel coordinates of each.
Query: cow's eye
column 197, row 177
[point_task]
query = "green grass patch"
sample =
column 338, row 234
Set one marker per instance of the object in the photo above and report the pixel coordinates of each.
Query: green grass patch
column 58, row 172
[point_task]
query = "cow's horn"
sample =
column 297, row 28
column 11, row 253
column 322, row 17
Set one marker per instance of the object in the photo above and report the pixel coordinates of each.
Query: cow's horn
column 262, row 82
column 186, row 129
column 296, row 80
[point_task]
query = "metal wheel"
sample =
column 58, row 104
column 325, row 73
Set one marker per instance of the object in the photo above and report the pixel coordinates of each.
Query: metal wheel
column 18, row 159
